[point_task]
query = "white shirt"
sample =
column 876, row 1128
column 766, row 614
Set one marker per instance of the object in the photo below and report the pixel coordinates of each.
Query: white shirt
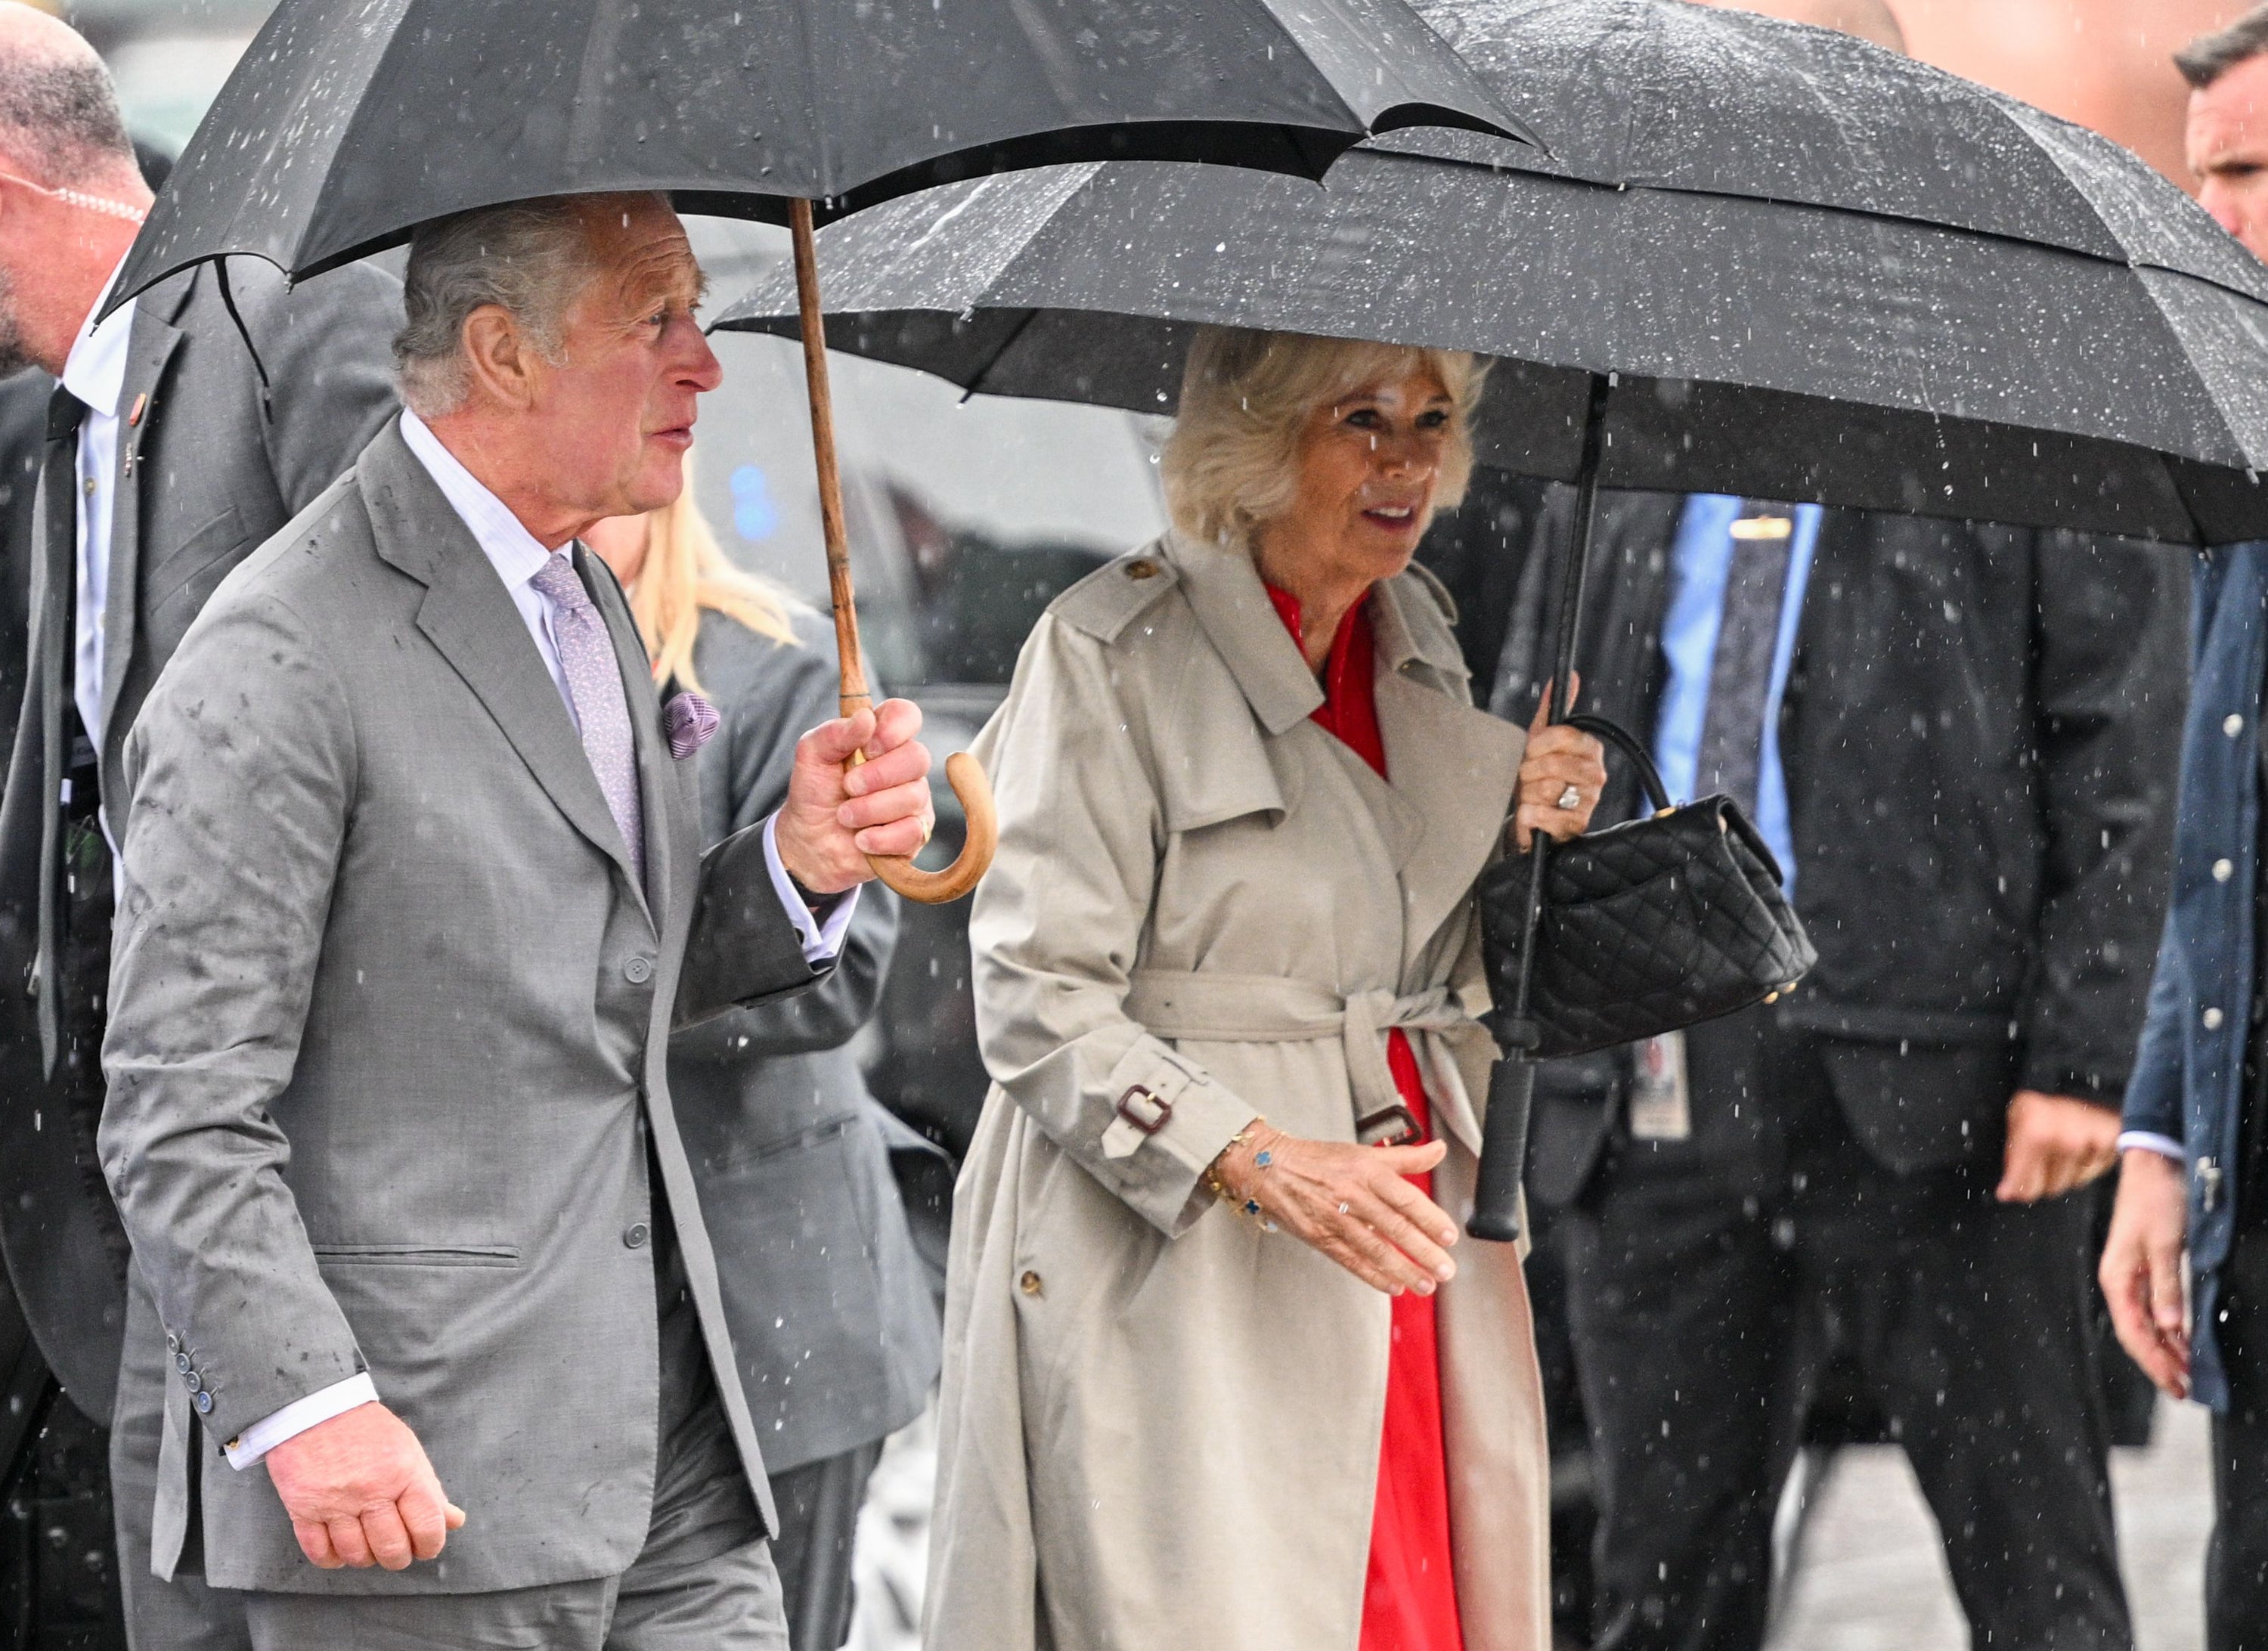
column 517, row 557
column 95, row 371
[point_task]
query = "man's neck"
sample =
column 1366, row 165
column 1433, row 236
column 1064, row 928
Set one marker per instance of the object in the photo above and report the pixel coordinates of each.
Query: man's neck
column 500, row 462
column 85, row 267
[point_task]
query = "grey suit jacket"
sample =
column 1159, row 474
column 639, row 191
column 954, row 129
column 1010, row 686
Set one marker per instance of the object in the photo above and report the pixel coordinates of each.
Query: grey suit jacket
column 208, row 468
column 388, row 1038
column 832, row 1317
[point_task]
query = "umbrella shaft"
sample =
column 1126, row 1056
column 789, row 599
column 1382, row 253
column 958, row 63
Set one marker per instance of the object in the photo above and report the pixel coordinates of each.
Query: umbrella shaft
column 855, row 697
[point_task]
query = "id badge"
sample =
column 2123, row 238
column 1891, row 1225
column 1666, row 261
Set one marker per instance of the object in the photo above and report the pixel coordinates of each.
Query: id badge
column 1660, row 1104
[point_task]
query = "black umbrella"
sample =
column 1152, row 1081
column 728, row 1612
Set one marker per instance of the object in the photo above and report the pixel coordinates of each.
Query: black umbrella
column 348, row 122
column 1753, row 258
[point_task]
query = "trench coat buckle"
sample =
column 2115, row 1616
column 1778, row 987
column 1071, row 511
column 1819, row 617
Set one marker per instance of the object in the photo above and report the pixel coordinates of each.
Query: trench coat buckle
column 1144, row 1109
column 1389, row 1126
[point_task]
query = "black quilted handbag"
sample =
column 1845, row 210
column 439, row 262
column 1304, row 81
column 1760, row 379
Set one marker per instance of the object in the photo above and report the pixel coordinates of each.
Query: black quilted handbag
column 1647, row 926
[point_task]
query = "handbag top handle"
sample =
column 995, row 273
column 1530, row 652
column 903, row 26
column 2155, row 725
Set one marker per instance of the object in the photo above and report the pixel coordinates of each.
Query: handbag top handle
column 1624, row 740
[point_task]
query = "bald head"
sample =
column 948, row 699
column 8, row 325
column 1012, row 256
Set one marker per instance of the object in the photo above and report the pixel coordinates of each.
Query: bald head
column 1868, row 19
column 59, row 119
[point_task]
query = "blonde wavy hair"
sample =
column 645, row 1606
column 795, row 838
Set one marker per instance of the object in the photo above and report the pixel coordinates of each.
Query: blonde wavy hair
column 686, row 571
column 1231, row 462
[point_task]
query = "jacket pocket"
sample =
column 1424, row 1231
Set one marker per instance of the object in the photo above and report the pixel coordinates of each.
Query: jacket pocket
column 418, row 1255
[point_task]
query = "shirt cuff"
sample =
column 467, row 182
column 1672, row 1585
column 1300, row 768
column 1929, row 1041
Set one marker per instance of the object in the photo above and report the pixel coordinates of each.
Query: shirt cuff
column 822, row 938
column 2151, row 1141
column 298, row 1416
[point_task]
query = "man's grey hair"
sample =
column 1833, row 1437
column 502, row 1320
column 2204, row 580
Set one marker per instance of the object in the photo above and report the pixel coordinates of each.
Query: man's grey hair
column 2208, row 57
column 60, row 112
column 532, row 259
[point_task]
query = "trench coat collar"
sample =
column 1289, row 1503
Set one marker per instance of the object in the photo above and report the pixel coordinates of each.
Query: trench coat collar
column 1231, row 605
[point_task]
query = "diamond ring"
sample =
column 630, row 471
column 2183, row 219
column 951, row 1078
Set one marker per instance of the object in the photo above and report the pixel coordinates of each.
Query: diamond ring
column 1571, row 800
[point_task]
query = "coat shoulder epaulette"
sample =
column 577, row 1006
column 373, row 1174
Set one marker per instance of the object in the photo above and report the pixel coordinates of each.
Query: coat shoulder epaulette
column 1108, row 599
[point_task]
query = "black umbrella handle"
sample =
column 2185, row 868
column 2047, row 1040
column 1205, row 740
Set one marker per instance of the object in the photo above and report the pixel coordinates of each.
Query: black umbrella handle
column 1503, row 1143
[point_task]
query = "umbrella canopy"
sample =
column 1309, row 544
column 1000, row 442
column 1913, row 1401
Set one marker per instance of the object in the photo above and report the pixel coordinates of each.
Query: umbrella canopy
column 348, row 122
column 1816, row 270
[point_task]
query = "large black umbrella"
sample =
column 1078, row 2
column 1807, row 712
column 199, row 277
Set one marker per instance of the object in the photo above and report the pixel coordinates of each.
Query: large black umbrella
column 1752, row 257
column 348, row 122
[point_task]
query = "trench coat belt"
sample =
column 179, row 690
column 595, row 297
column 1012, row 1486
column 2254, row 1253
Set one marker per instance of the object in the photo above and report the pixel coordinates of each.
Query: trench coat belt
column 1220, row 1008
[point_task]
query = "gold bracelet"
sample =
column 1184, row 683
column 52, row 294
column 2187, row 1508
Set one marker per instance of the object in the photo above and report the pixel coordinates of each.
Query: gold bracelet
column 1246, row 1206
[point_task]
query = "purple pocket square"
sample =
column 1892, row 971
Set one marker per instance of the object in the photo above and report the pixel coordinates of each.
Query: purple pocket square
column 692, row 722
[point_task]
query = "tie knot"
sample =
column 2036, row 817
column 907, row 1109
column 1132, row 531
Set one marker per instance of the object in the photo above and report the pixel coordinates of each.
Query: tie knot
column 557, row 581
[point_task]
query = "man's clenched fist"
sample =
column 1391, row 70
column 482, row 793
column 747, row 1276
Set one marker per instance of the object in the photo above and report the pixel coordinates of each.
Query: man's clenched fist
column 836, row 815
column 361, row 1492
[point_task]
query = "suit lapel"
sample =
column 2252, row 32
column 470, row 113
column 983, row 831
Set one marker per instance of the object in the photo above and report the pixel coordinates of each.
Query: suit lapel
column 148, row 353
column 469, row 617
column 658, row 792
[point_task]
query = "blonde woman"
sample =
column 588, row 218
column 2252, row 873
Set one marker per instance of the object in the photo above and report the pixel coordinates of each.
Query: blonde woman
column 832, row 1319
column 1218, row 1372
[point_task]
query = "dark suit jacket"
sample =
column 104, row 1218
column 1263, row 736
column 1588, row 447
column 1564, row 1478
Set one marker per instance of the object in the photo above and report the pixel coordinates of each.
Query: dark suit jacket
column 209, row 469
column 833, row 1322
column 1979, row 736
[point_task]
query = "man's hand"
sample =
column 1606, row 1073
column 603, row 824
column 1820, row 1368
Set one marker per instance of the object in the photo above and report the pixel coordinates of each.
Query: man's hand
column 360, row 1492
column 838, row 815
column 2055, row 1142
column 2141, row 1271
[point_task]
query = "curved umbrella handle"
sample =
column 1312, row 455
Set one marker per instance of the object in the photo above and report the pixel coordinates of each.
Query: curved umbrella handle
column 935, row 889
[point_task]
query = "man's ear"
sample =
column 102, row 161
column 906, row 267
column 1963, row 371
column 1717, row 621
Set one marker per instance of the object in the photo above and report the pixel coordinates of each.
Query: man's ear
column 500, row 356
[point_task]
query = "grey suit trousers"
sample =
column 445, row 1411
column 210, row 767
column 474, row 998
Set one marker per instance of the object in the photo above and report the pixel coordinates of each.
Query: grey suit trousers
column 705, row 1578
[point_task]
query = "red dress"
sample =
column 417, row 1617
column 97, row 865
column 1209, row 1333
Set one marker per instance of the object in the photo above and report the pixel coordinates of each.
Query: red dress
column 1409, row 1602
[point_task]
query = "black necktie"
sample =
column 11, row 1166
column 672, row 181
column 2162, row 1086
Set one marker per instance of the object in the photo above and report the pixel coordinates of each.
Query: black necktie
column 50, row 692
column 1739, row 677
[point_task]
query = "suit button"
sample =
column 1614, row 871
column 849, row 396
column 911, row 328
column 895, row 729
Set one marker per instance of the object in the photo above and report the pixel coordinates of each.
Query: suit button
column 181, row 1362
column 204, row 1404
column 173, row 1342
column 636, row 1235
column 1029, row 1284
column 638, row 970
column 2212, row 1019
column 195, row 1382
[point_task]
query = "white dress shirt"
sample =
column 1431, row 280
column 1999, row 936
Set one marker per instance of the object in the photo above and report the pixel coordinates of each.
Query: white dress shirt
column 517, row 557
column 95, row 373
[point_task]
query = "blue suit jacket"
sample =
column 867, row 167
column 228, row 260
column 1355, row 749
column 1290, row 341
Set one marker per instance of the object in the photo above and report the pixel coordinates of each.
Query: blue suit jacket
column 2188, row 1072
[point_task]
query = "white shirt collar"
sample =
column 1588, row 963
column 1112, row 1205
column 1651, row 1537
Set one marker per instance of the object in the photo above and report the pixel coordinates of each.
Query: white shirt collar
column 518, row 555
column 95, row 370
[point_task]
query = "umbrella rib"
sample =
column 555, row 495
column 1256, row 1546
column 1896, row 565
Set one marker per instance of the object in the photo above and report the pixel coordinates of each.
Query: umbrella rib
column 975, row 384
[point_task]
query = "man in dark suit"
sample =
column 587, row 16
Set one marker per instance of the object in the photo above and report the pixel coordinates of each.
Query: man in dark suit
column 179, row 441
column 1957, row 739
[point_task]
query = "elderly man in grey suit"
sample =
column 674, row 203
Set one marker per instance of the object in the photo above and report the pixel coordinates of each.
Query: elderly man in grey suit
column 166, row 459
column 412, row 894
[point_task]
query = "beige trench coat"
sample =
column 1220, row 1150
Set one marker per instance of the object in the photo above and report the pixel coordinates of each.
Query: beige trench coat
column 1161, row 1425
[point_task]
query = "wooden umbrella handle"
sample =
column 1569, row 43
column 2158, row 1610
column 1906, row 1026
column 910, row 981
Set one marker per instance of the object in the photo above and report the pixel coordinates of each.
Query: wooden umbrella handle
column 967, row 776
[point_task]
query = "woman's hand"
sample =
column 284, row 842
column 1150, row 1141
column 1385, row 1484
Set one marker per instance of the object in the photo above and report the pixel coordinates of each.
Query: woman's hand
column 1348, row 1202
column 1559, row 757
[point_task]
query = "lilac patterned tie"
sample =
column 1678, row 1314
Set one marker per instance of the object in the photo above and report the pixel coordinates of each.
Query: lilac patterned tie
column 595, row 682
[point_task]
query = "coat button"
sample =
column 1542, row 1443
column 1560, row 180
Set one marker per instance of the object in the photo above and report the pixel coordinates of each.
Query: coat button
column 195, row 1382
column 204, row 1404
column 636, row 1235
column 638, row 970
column 2212, row 1019
column 2223, row 870
column 1029, row 1284
column 181, row 1362
column 1141, row 568
column 2232, row 725
column 173, row 1342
